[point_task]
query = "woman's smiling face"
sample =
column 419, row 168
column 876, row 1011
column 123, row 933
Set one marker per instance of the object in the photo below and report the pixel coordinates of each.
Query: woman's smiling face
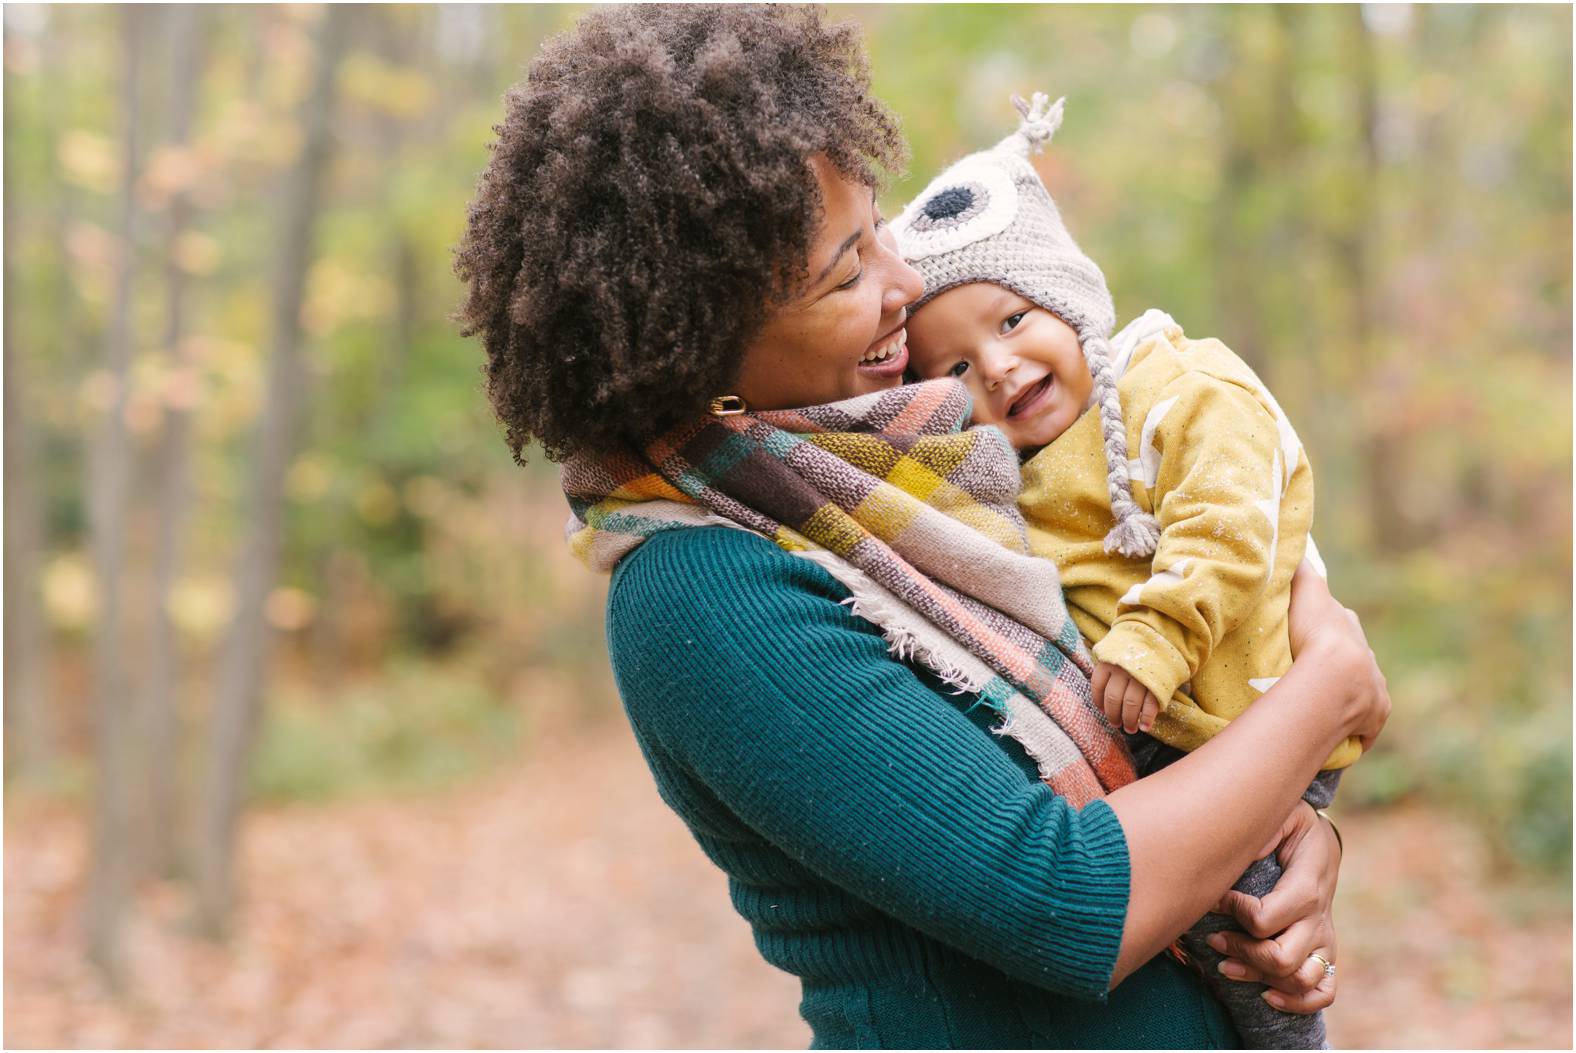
column 842, row 333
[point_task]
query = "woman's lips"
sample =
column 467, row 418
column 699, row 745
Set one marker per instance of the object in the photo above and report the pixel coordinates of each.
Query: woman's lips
column 895, row 362
column 1033, row 398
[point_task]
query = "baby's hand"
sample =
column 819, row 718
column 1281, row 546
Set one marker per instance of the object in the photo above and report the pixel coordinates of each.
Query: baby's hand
column 1128, row 704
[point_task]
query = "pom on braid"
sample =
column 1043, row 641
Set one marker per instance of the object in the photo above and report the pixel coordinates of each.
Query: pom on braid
column 1136, row 532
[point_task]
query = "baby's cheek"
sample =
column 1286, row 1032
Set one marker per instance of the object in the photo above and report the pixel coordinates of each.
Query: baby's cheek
column 982, row 413
column 921, row 366
column 918, row 372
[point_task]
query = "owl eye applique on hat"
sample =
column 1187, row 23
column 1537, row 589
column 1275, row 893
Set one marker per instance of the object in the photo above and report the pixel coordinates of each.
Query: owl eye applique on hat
column 955, row 204
column 973, row 199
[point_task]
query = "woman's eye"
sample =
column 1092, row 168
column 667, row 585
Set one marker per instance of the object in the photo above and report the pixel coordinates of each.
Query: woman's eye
column 958, row 370
column 851, row 282
column 1012, row 321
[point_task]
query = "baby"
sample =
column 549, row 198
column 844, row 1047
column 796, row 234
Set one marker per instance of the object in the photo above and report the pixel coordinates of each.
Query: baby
column 1177, row 560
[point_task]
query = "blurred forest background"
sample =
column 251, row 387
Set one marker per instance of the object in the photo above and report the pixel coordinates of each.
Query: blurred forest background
column 310, row 738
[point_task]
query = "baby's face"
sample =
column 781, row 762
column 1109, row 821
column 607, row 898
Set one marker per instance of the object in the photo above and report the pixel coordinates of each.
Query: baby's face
column 1021, row 363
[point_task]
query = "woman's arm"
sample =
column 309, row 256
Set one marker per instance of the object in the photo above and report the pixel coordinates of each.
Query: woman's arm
column 1193, row 827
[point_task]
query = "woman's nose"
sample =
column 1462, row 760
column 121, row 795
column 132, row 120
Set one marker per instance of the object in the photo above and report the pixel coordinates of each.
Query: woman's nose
column 903, row 287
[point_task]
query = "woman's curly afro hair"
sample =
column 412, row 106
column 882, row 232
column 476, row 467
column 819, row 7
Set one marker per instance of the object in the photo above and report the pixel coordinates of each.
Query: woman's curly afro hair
column 647, row 203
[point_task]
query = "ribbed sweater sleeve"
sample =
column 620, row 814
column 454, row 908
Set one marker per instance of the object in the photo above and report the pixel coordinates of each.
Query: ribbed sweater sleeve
column 740, row 663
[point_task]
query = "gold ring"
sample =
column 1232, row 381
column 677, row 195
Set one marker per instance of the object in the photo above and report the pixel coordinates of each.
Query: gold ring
column 1329, row 966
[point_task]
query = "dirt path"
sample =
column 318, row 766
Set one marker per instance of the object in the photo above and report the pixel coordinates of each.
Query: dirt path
column 561, row 904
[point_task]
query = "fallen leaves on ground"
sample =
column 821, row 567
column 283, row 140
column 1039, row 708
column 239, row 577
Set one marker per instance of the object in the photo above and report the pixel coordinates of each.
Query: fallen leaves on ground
column 562, row 904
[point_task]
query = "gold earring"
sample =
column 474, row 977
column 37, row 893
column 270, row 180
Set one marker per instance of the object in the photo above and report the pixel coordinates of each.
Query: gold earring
column 727, row 406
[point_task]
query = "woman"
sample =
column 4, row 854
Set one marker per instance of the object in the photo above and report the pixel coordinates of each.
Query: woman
column 679, row 207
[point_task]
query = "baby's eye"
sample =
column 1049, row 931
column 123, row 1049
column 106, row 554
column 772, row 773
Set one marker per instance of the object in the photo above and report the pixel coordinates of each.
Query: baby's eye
column 958, row 370
column 1011, row 321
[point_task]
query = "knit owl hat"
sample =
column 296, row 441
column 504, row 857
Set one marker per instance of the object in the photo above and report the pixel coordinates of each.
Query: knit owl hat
column 988, row 218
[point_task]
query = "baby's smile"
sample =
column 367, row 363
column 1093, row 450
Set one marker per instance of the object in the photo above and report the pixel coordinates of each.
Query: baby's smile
column 1028, row 403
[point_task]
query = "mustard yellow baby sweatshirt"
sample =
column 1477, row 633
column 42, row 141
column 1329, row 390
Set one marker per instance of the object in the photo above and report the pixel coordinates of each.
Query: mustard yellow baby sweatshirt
column 1204, row 623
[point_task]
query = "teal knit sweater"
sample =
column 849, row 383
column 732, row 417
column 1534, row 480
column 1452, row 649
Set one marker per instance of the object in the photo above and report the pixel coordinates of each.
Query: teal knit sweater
column 907, row 865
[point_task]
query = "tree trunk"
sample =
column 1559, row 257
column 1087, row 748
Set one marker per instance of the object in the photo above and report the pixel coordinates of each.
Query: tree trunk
column 388, row 30
column 1251, row 223
column 238, row 702
column 1384, row 444
column 326, row 640
column 28, row 724
column 1238, row 296
column 109, row 877
column 171, row 483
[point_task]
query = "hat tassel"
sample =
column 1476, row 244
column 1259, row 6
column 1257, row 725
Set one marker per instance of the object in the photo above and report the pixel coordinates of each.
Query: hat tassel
column 1041, row 118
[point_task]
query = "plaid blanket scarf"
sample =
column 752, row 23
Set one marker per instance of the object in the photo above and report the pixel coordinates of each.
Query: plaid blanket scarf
column 915, row 516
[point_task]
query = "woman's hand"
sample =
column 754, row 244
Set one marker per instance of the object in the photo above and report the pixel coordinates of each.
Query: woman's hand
column 1291, row 923
column 1330, row 636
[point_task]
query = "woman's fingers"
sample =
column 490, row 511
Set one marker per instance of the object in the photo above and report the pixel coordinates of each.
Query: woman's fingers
column 1311, row 973
column 1280, row 961
column 1380, row 709
column 1261, row 922
column 1295, row 899
column 1317, row 986
column 1310, row 605
column 1257, row 960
